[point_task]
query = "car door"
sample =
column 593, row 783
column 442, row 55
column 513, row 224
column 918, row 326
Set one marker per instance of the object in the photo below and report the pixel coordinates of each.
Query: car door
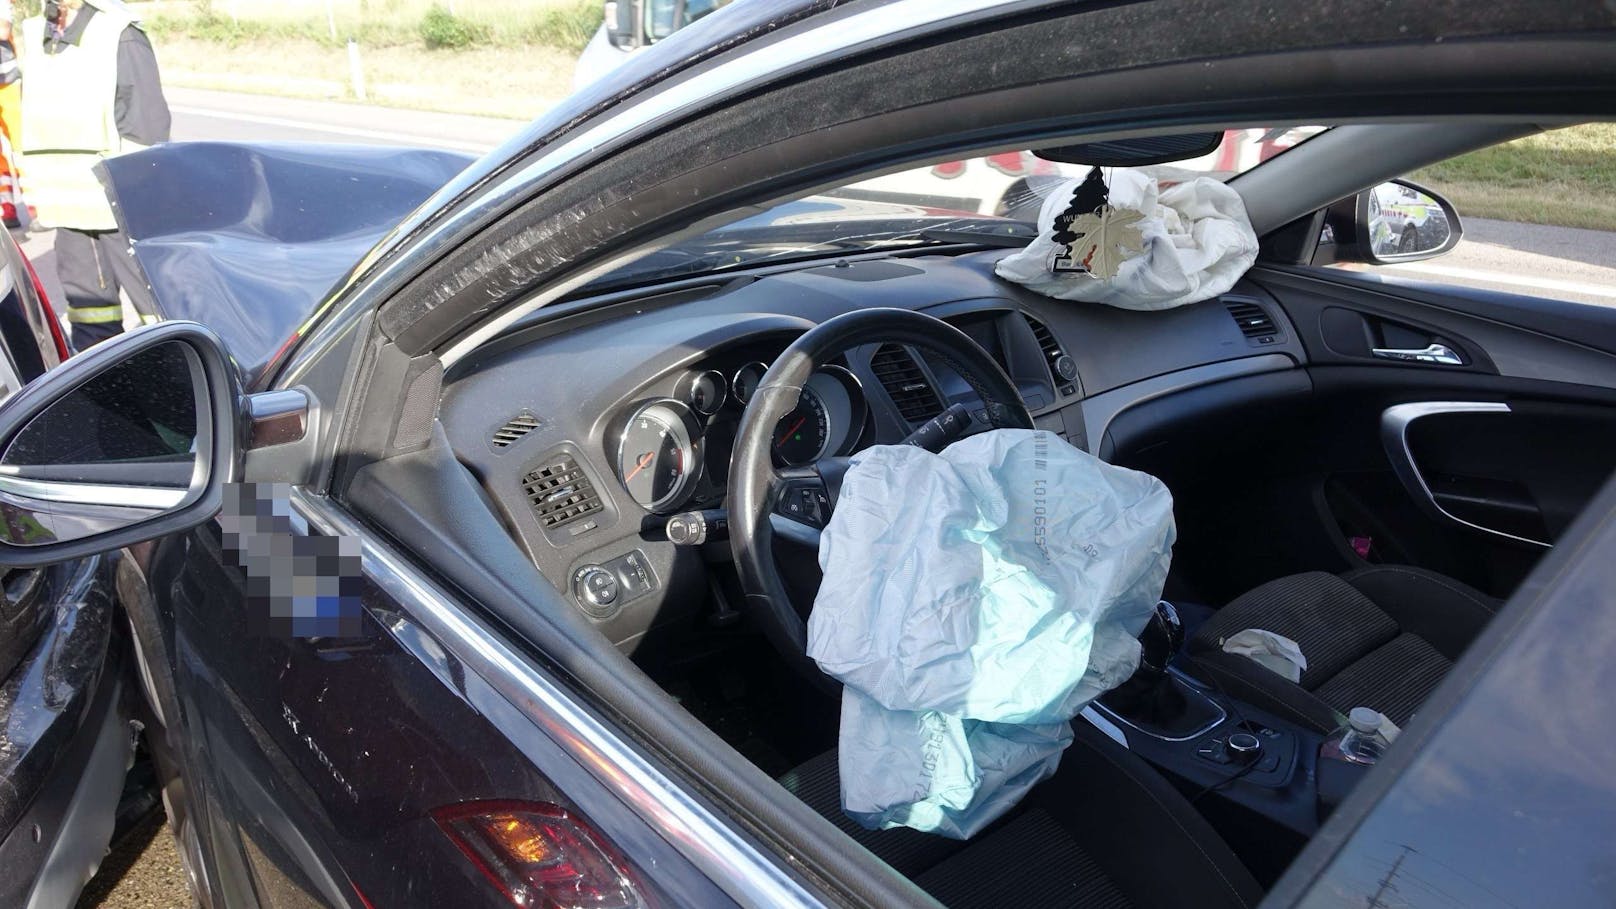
column 1471, row 462
column 1449, row 426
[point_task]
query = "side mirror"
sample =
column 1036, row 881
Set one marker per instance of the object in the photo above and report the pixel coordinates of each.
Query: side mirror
column 1394, row 222
column 623, row 29
column 132, row 440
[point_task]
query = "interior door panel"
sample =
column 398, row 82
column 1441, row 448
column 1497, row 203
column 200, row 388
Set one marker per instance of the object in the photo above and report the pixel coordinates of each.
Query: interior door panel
column 1453, row 429
column 1496, row 430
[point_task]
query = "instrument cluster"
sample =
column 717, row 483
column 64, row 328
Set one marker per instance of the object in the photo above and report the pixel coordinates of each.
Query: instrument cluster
column 674, row 451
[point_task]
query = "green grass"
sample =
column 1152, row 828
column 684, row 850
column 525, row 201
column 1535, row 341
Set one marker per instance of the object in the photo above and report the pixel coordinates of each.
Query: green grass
column 564, row 25
column 1565, row 177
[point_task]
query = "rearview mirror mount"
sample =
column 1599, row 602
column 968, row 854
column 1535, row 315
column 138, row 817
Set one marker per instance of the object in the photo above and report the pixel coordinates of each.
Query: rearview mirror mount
column 131, row 440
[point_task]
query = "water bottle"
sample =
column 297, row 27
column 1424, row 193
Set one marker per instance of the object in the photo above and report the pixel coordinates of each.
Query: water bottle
column 1361, row 741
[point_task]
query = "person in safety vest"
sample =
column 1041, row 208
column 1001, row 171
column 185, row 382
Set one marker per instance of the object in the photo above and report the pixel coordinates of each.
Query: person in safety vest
column 10, row 119
column 92, row 91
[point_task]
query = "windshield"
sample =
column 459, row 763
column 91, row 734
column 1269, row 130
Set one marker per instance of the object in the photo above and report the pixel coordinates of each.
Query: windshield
column 993, row 200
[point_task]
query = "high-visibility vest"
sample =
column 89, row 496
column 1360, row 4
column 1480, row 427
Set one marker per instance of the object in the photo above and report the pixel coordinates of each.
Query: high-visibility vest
column 69, row 121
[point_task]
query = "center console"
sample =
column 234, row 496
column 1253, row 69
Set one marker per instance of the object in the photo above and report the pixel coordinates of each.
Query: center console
column 1254, row 776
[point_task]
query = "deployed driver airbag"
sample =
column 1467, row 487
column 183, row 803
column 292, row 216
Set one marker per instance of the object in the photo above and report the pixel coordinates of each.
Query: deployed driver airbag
column 973, row 602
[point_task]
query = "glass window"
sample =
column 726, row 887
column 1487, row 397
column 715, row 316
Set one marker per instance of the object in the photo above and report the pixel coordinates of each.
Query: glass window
column 937, row 203
column 1539, row 217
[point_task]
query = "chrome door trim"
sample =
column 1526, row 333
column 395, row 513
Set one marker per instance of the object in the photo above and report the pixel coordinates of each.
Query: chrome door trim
column 749, row 876
column 71, row 493
column 1394, row 424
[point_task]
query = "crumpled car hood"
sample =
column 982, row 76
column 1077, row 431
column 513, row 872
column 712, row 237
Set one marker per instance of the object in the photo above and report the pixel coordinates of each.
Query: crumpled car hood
column 249, row 238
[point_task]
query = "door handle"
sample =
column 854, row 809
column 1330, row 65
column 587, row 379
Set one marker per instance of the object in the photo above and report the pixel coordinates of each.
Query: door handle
column 1435, row 353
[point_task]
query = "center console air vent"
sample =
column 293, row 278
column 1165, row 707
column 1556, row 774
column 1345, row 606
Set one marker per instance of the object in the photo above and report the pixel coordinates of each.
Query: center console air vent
column 1062, row 368
column 560, row 492
column 908, row 387
column 515, row 428
column 1255, row 322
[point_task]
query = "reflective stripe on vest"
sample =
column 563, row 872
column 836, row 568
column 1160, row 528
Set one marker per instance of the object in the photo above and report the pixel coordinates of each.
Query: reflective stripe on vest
column 69, row 121
column 95, row 315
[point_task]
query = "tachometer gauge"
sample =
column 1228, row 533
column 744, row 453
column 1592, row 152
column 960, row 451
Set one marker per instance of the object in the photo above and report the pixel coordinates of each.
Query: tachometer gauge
column 657, row 456
column 801, row 435
column 746, row 381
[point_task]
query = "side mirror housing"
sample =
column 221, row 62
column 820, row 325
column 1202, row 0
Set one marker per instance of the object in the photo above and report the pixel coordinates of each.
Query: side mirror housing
column 131, row 440
column 623, row 24
column 1394, row 222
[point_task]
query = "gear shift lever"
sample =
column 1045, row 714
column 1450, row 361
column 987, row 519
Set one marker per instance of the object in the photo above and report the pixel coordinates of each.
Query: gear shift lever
column 1152, row 699
column 1160, row 640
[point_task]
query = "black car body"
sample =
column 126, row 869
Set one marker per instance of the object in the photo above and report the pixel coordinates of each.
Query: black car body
column 65, row 705
column 366, row 644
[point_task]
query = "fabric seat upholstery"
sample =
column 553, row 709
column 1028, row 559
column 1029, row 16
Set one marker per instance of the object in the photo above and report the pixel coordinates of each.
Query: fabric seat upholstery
column 1381, row 637
column 1097, row 835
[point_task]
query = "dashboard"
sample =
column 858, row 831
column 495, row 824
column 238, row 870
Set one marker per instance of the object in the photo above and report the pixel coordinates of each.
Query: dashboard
column 588, row 426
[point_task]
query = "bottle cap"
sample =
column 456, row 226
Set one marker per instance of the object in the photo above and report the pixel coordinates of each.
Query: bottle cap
column 1365, row 719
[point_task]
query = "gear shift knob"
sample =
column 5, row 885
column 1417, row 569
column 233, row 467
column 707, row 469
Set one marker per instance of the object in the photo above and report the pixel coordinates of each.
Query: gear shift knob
column 1161, row 639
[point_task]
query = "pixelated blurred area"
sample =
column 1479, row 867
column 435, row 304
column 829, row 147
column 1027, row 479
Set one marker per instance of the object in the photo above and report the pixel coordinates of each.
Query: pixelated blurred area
column 298, row 585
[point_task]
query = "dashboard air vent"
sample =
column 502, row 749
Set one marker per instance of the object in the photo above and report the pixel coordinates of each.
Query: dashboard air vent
column 1255, row 323
column 1062, row 368
column 900, row 375
column 515, row 428
column 560, row 492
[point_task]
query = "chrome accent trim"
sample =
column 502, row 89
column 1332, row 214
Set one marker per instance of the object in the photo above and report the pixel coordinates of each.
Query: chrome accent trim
column 1394, row 424
column 765, row 61
column 1434, row 353
column 155, row 497
column 1101, row 409
column 1194, row 686
column 1111, row 730
column 711, row 844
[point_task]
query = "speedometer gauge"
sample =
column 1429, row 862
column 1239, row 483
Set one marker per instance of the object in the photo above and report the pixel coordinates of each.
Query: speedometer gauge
column 802, row 435
column 657, row 456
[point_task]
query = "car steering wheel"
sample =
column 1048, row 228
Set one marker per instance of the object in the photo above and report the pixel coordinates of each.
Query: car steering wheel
column 756, row 487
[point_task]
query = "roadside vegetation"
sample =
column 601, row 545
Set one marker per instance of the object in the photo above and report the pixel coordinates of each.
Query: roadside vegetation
column 1565, row 177
column 506, row 58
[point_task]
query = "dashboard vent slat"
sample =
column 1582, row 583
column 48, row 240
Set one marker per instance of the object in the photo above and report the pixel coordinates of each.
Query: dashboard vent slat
column 906, row 384
column 1047, row 344
column 1254, row 321
column 560, row 492
column 515, row 428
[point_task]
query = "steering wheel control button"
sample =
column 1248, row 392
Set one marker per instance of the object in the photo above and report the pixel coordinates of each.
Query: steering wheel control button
column 1244, row 747
column 805, row 502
